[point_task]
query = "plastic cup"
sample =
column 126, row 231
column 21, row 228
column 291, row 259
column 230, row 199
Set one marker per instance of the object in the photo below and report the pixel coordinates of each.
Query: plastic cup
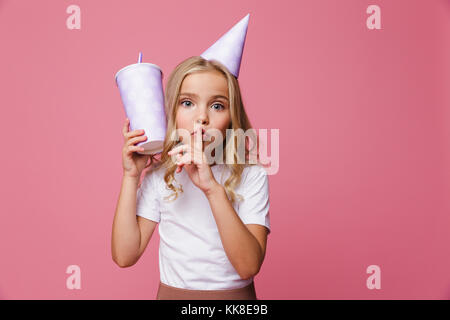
column 142, row 95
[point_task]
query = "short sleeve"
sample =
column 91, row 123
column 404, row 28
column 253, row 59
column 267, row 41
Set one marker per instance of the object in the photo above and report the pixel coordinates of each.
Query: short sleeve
column 254, row 209
column 147, row 205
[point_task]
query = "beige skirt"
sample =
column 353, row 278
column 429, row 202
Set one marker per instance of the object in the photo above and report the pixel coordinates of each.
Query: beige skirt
column 166, row 292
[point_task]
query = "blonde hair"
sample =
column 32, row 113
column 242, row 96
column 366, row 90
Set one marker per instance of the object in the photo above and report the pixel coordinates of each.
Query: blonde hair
column 239, row 120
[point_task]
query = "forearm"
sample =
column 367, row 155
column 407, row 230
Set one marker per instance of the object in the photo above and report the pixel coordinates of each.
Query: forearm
column 125, row 240
column 241, row 247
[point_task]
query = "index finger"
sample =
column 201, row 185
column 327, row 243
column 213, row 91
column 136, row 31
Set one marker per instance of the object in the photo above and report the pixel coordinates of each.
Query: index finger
column 125, row 126
column 198, row 139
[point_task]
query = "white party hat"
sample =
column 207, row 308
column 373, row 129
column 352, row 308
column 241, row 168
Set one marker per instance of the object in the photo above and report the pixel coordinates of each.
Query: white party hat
column 228, row 49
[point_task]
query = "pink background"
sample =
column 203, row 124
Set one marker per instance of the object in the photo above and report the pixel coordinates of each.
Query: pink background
column 364, row 152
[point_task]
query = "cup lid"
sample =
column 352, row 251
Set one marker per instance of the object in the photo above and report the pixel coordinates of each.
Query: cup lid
column 134, row 64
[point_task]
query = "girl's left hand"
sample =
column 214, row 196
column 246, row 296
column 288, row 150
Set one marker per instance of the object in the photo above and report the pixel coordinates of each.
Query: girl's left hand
column 195, row 163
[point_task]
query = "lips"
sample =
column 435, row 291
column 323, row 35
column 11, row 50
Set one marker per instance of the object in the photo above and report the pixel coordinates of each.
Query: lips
column 203, row 132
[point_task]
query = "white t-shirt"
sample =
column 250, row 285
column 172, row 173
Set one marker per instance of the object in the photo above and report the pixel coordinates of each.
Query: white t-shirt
column 191, row 254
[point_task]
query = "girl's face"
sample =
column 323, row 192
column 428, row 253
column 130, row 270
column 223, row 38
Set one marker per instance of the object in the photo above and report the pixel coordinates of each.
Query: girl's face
column 203, row 101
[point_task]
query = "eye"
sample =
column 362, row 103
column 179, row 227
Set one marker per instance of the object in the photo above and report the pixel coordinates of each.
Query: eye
column 218, row 104
column 190, row 103
column 186, row 101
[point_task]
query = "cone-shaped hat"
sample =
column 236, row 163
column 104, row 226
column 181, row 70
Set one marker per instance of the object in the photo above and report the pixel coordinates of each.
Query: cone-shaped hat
column 228, row 49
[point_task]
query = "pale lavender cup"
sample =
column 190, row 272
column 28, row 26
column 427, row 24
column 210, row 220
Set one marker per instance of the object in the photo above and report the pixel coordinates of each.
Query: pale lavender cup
column 141, row 91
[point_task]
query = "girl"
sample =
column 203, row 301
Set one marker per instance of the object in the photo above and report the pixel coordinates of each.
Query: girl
column 213, row 218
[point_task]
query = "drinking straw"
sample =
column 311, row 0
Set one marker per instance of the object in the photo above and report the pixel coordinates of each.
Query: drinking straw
column 140, row 57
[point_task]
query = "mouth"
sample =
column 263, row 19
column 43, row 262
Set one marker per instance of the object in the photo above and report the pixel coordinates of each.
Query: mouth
column 203, row 132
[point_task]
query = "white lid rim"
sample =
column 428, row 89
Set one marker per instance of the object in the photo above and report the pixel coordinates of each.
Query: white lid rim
column 142, row 63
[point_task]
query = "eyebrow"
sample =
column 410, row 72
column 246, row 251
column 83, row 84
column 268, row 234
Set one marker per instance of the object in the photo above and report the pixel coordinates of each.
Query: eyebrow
column 196, row 96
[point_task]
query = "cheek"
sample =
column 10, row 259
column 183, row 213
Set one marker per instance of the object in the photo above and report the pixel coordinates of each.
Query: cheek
column 220, row 120
column 223, row 124
column 182, row 120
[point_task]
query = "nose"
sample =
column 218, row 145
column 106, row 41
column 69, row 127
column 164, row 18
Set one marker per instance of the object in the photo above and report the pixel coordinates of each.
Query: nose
column 202, row 118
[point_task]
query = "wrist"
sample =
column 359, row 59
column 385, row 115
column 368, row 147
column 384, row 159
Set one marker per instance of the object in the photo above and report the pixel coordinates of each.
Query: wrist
column 214, row 190
column 130, row 178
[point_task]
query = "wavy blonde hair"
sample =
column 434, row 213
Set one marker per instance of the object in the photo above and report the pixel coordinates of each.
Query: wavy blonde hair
column 239, row 120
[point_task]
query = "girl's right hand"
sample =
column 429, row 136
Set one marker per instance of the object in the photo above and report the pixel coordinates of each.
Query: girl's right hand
column 132, row 162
